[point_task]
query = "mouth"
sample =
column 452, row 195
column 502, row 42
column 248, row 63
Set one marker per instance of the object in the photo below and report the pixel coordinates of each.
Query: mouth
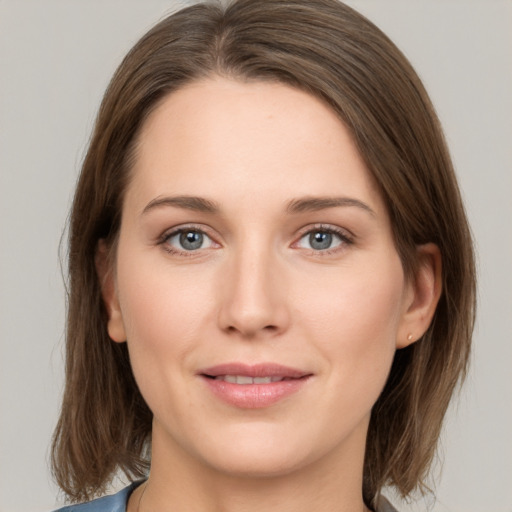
column 246, row 379
column 253, row 386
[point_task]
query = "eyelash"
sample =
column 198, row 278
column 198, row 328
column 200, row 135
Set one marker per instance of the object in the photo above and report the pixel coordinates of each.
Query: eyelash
column 164, row 239
column 344, row 237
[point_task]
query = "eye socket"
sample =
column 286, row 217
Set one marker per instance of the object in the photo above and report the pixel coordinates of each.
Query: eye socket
column 188, row 240
column 322, row 239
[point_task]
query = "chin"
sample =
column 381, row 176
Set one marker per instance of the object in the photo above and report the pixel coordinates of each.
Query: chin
column 261, row 452
column 258, row 463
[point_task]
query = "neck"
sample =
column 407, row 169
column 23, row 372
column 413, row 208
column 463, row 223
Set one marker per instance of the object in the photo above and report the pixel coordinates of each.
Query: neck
column 180, row 483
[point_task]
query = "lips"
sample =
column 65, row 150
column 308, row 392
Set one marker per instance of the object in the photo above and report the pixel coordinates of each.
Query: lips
column 256, row 370
column 246, row 379
column 253, row 386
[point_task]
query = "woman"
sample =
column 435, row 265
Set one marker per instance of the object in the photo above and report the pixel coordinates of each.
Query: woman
column 271, row 273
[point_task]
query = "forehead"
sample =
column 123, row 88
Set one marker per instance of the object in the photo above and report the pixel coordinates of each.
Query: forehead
column 233, row 138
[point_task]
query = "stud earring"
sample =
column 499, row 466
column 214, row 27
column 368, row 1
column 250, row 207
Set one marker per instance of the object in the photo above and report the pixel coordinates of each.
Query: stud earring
column 409, row 337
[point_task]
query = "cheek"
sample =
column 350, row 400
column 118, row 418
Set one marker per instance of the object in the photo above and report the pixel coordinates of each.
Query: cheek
column 163, row 310
column 366, row 301
column 354, row 319
column 161, row 307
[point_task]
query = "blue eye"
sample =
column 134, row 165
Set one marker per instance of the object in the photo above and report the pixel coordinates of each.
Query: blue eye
column 188, row 240
column 321, row 240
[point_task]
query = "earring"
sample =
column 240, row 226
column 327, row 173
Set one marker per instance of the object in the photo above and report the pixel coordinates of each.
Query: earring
column 409, row 337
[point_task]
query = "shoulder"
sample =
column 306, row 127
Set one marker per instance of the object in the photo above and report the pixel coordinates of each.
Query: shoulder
column 113, row 503
column 385, row 506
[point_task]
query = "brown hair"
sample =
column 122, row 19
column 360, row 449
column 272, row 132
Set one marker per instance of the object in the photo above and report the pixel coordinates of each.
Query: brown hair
column 334, row 53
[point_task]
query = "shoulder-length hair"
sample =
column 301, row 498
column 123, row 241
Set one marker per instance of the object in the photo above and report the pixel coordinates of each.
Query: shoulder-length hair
column 332, row 52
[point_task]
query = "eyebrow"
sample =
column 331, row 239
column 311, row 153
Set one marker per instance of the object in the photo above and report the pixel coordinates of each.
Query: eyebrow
column 198, row 204
column 301, row 205
column 313, row 204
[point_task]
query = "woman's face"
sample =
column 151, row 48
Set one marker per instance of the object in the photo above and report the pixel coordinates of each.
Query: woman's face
column 256, row 280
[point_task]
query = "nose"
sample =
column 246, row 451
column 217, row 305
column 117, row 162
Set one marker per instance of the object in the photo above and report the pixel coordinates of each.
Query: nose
column 254, row 295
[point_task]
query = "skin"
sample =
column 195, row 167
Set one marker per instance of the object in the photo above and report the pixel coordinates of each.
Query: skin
column 258, row 291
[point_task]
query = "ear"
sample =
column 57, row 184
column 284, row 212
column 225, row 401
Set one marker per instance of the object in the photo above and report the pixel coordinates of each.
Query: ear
column 422, row 296
column 106, row 276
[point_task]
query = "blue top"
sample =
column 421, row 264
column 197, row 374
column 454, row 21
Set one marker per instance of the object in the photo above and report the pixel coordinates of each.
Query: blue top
column 114, row 503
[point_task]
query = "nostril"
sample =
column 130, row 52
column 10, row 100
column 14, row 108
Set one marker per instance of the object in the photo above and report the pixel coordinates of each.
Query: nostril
column 252, row 331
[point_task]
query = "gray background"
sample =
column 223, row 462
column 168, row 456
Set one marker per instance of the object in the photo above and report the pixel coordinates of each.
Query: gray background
column 56, row 57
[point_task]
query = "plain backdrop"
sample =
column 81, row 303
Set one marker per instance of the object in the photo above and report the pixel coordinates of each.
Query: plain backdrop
column 56, row 57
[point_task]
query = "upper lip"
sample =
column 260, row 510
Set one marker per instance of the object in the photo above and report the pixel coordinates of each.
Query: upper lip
column 254, row 370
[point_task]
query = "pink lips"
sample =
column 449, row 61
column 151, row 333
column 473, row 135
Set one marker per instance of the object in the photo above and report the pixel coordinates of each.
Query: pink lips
column 253, row 386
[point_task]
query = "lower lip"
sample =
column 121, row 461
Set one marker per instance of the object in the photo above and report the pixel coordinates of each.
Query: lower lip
column 254, row 396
